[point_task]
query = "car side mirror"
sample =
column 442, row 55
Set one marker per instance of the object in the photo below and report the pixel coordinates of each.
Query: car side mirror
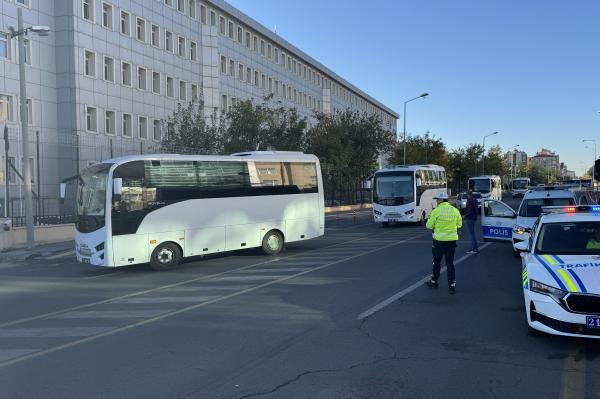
column 522, row 246
column 117, row 188
column 63, row 192
column 418, row 181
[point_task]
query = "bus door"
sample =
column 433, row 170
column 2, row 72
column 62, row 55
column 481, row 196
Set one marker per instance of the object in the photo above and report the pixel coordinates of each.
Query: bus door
column 497, row 221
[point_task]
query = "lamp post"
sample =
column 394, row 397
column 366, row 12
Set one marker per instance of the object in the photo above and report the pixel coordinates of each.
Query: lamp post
column 19, row 33
column 483, row 160
column 594, row 164
column 423, row 95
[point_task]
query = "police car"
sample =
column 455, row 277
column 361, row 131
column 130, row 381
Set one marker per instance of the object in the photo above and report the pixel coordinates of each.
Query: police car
column 531, row 208
column 561, row 272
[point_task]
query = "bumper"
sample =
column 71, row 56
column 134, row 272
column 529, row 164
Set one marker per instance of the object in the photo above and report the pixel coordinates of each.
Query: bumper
column 517, row 238
column 400, row 218
column 545, row 315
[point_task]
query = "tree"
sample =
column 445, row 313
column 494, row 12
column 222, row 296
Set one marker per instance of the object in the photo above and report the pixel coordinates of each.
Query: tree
column 188, row 131
column 495, row 163
column 425, row 149
column 348, row 144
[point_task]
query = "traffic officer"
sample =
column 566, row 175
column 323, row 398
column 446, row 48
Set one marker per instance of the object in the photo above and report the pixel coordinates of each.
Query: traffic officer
column 445, row 220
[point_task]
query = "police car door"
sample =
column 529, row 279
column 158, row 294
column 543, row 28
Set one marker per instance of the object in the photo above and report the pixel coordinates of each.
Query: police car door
column 497, row 221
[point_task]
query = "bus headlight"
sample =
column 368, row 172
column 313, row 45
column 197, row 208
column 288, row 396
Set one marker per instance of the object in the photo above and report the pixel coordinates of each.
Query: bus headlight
column 521, row 230
column 100, row 247
column 375, row 211
column 409, row 212
column 555, row 293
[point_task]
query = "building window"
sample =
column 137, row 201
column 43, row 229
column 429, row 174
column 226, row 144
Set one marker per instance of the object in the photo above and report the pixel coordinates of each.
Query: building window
column 6, row 108
column 223, row 65
column 88, row 10
column 155, row 82
column 224, row 102
column 27, row 43
column 276, row 55
column 231, row 68
column 262, row 81
column 125, row 23
column 127, row 128
column 168, row 41
column 140, row 33
column 203, row 14
column 213, row 18
column 90, row 64
column 193, row 51
column 4, row 45
column 126, row 74
column 256, row 81
column 269, row 55
column 29, row 105
column 107, row 16
column 284, row 92
column 182, row 90
column 262, row 47
column 90, row 119
column 230, row 29
column 255, row 43
column 26, row 3
column 195, row 93
column 110, row 122
column 222, row 25
column 181, row 6
column 142, row 78
column 248, row 75
column 155, row 35
column 181, row 46
column 156, row 130
column 142, row 127
column 240, row 34
column 248, row 39
column 109, row 69
column 241, row 72
column 270, row 85
column 192, row 8
column 169, row 3
column 170, row 87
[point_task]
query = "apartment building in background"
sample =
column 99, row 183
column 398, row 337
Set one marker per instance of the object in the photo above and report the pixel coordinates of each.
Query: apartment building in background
column 112, row 71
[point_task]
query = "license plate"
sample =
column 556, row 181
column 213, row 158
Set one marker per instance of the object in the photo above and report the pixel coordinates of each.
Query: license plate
column 87, row 260
column 392, row 220
column 593, row 321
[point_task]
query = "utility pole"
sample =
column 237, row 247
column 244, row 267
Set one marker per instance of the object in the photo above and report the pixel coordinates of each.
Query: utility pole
column 6, row 172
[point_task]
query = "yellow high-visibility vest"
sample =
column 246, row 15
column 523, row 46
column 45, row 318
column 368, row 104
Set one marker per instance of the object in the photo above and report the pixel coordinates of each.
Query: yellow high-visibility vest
column 445, row 220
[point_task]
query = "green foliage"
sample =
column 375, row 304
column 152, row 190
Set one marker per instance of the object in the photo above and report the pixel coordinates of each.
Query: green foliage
column 188, row 131
column 425, row 149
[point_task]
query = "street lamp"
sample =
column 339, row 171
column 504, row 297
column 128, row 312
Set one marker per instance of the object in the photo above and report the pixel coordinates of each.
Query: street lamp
column 423, row 95
column 594, row 164
column 19, row 33
column 483, row 160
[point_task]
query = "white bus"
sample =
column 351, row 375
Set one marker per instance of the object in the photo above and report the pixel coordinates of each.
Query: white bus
column 405, row 193
column 490, row 187
column 162, row 208
column 519, row 186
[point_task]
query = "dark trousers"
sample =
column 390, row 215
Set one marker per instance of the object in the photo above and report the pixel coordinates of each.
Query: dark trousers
column 439, row 250
column 471, row 227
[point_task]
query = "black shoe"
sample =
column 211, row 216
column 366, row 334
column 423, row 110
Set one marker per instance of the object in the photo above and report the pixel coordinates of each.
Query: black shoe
column 431, row 284
column 452, row 288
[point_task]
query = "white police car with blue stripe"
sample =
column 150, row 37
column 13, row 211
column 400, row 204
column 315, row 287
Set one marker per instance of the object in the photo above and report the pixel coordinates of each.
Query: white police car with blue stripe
column 561, row 272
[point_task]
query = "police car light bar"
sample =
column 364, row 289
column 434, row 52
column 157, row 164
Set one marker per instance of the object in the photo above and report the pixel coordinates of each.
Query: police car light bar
column 571, row 209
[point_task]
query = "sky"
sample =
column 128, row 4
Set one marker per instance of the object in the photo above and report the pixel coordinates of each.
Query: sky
column 527, row 69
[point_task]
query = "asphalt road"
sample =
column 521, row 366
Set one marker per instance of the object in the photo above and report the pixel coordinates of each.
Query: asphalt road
column 315, row 322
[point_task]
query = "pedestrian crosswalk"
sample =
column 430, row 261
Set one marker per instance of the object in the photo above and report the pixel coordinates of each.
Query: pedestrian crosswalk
column 46, row 334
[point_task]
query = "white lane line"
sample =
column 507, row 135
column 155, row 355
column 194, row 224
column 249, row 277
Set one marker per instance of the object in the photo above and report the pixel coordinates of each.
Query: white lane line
column 112, row 314
column 107, row 273
column 188, row 308
column 7, row 354
column 409, row 289
column 61, row 255
column 273, row 270
column 169, row 299
column 164, row 287
column 53, row 332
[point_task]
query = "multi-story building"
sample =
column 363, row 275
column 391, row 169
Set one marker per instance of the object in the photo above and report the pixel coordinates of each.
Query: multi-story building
column 516, row 159
column 547, row 160
column 111, row 71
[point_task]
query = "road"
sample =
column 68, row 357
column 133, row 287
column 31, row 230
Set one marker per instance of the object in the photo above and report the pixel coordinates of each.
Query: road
column 305, row 324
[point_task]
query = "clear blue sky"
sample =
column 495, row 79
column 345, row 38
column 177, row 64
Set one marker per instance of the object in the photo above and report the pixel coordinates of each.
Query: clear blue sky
column 528, row 69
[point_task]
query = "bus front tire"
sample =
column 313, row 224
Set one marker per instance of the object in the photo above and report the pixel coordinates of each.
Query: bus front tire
column 165, row 256
column 272, row 243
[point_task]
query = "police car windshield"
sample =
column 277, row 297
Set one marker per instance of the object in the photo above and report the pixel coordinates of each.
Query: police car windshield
column 569, row 238
column 532, row 208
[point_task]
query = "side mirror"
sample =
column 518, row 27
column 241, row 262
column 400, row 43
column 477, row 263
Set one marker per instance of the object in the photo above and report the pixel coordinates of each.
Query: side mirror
column 117, row 188
column 522, row 246
column 63, row 192
column 418, row 181
column 509, row 214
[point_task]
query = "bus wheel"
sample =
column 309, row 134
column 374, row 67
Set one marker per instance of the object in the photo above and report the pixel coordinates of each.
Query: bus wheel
column 165, row 256
column 272, row 242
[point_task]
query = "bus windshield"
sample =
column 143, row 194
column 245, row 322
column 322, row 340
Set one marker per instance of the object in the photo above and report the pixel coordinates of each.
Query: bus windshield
column 91, row 198
column 480, row 185
column 394, row 188
column 520, row 184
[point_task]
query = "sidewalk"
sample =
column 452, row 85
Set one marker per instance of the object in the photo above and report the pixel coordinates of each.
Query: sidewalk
column 39, row 251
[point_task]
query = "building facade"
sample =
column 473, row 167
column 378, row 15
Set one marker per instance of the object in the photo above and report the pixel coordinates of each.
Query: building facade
column 111, row 71
column 547, row 160
column 516, row 159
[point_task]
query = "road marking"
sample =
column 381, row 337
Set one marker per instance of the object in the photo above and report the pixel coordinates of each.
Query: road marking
column 51, row 332
column 188, row 308
column 409, row 289
column 61, row 255
column 112, row 314
column 164, row 287
column 169, row 299
column 574, row 375
column 7, row 354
